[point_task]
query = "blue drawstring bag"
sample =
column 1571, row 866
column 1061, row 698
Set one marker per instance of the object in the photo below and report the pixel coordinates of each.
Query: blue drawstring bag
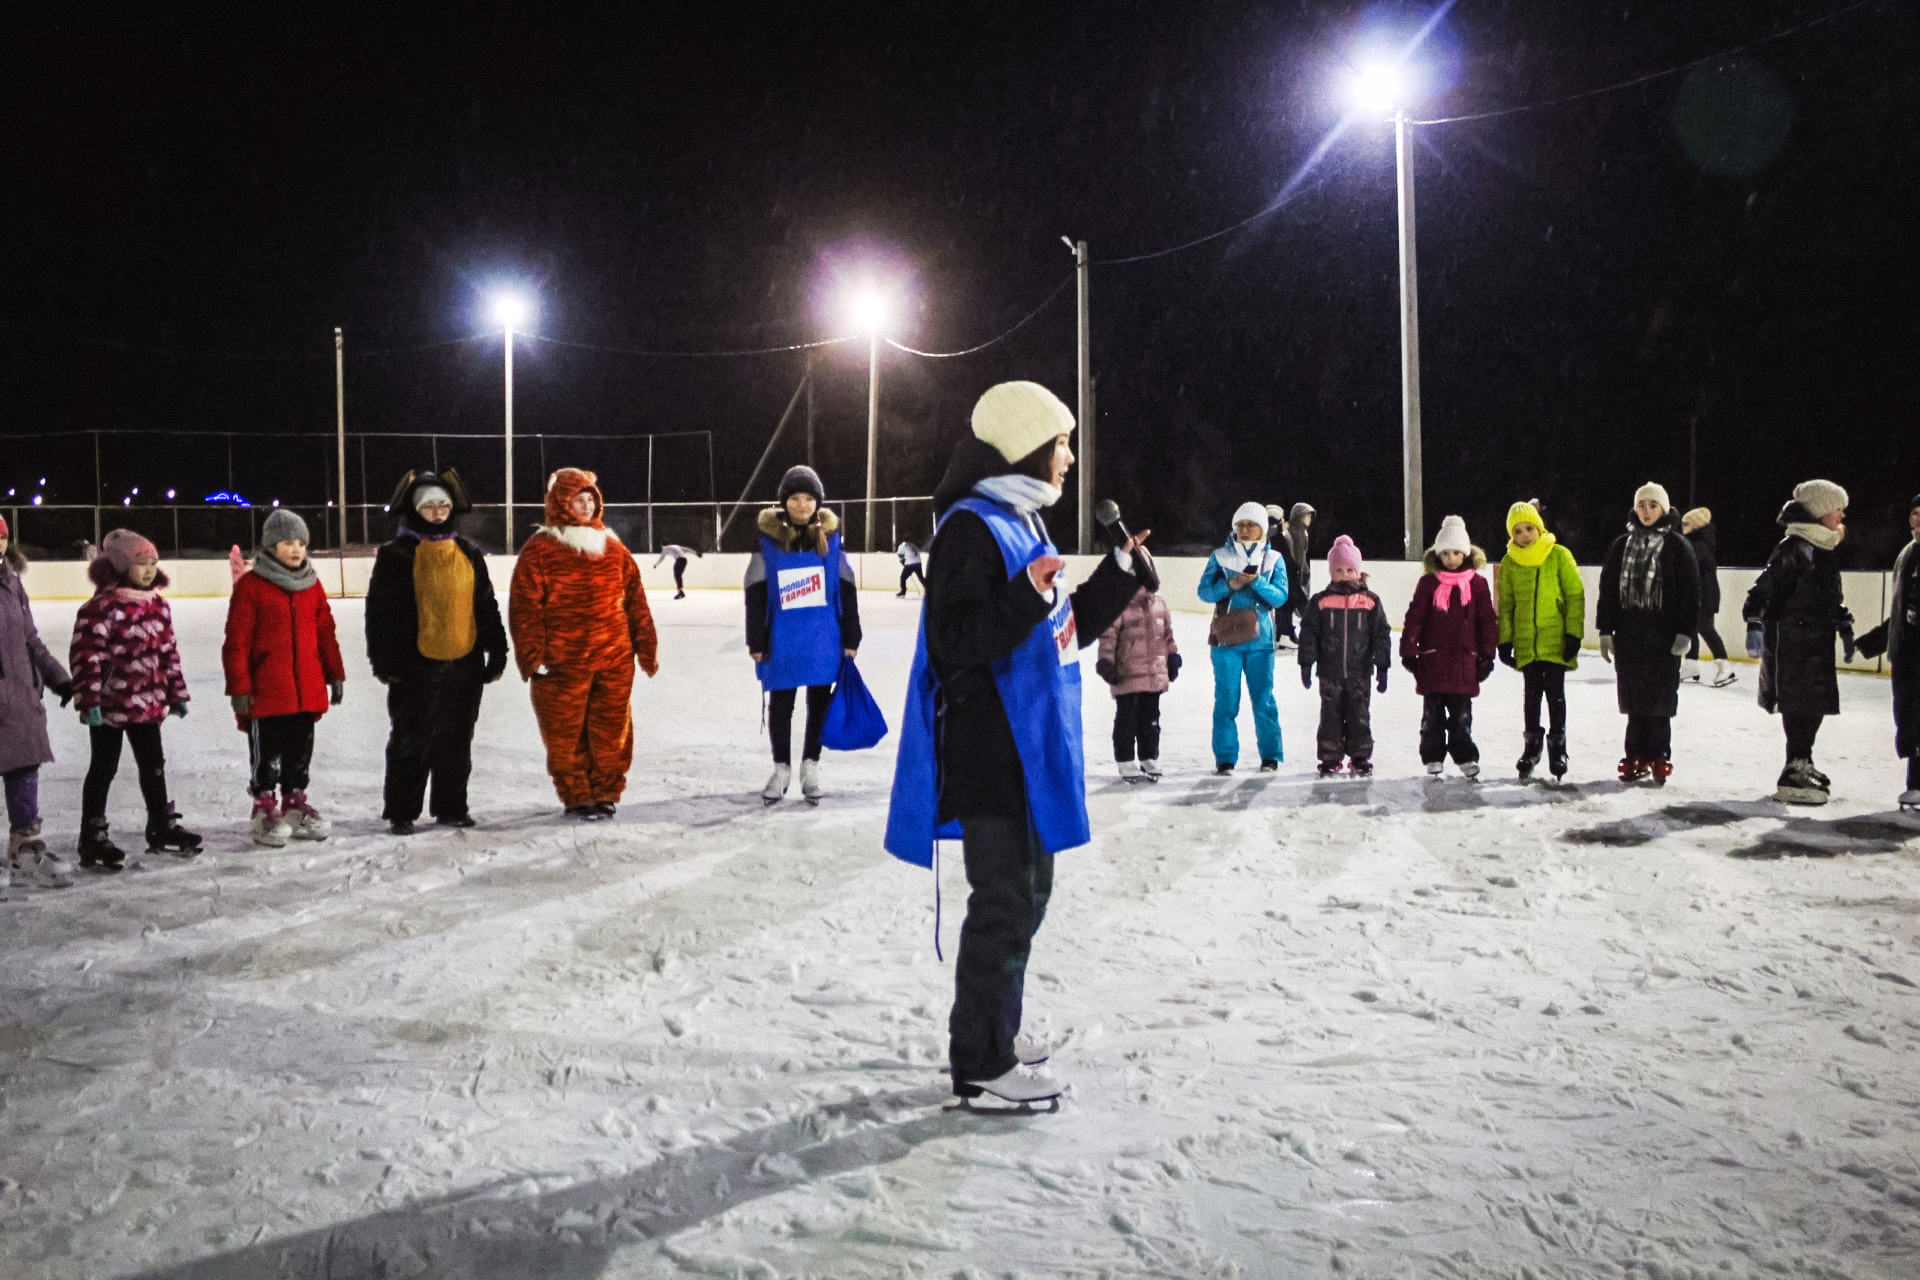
column 853, row 721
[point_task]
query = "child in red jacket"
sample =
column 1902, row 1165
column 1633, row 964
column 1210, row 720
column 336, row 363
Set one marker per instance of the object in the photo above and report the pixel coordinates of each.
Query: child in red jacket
column 283, row 669
column 1451, row 635
column 126, row 682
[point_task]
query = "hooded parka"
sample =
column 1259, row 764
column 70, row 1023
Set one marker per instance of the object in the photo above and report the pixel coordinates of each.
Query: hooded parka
column 1798, row 603
column 27, row 669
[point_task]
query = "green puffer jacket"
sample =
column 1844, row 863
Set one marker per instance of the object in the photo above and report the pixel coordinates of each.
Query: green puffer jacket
column 1540, row 606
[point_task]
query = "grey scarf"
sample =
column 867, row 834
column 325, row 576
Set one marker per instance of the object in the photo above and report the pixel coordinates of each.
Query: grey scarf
column 268, row 566
column 1640, row 586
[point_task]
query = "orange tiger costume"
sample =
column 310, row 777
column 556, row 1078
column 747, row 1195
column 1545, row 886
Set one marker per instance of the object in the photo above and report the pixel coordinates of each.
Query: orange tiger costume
column 579, row 620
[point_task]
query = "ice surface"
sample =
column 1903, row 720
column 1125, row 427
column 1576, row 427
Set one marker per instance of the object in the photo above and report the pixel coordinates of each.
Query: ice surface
column 1386, row 1029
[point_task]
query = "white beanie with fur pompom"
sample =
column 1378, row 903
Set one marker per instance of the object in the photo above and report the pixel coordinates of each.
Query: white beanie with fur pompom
column 1453, row 536
column 1821, row 498
column 1018, row 417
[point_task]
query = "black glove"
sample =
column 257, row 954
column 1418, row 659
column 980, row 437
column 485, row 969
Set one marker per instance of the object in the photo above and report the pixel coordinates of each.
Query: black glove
column 1104, row 669
column 1173, row 666
column 1382, row 683
column 65, row 691
column 1872, row 644
column 1569, row 647
column 1506, row 654
column 1306, row 674
column 1483, row 669
column 1847, row 646
column 496, row 666
column 1409, row 665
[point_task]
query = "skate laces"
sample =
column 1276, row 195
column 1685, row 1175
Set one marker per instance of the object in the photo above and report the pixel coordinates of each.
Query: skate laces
column 297, row 803
column 263, row 805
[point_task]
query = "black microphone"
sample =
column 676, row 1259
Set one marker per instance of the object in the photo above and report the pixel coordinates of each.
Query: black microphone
column 1107, row 512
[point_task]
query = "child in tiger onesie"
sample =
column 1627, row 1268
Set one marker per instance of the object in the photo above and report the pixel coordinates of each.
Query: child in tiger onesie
column 580, row 621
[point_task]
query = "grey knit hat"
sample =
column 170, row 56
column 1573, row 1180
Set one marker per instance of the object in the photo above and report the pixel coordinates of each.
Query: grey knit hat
column 802, row 480
column 283, row 526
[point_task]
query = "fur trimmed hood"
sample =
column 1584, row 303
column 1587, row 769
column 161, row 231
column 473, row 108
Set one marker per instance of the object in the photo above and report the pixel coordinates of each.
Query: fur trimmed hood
column 562, row 486
column 776, row 524
column 1430, row 562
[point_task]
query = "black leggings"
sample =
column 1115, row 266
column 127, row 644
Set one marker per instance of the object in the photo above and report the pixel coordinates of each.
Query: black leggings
column 1546, row 680
column 1707, row 632
column 147, row 757
column 1801, row 731
column 780, row 721
column 680, row 574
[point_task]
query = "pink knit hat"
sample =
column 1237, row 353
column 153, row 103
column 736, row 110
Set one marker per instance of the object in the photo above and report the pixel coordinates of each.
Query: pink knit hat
column 119, row 552
column 1343, row 554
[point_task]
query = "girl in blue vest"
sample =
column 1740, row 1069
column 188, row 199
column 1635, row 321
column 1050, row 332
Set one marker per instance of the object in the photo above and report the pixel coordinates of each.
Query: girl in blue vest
column 990, row 750
column 1244, row 581
column 803, row 614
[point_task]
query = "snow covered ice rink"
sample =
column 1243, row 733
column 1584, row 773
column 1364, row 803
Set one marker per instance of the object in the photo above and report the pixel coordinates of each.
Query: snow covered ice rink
column 1396, row 1028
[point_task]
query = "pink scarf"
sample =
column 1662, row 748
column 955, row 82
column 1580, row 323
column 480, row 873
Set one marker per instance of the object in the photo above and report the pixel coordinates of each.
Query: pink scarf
column 1457, row 580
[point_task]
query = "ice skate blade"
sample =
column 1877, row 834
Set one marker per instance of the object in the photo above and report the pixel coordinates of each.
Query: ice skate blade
column 1800, row 795
column 988, row 1105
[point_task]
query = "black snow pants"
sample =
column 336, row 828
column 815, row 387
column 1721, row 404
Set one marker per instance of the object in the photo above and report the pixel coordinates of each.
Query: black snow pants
column 1446, row 728
column 1346, row 720
column 1649, row 737
column 1136, row 724
column 1548, row 681
column 432, row 711
column 1011, row 877
column 281, row 748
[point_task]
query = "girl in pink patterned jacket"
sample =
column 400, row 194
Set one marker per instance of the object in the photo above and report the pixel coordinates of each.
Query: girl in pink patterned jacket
column 126, row 682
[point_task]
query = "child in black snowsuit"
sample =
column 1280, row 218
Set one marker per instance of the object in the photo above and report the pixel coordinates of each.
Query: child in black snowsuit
column 1344, row 629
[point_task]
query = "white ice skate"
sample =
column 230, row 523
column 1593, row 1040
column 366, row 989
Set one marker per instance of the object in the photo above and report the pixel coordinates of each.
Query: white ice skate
column 1023, row 1084
column 269, row 828
column 1910, row 800
column 305, row 820
column 1723, row 673
column 1150, row 769
column 1032, row 1049
column 1690, row 670
column 1471, row 770
column 1437, row 768
column 810, row 781
column 1130, row 771
column 36, row 864
column 777, row 785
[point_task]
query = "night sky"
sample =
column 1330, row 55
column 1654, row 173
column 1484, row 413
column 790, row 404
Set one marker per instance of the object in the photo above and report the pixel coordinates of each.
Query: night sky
column 193, row 204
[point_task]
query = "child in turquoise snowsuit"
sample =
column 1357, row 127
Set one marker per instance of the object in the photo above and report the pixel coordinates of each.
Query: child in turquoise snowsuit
column 1246, row 574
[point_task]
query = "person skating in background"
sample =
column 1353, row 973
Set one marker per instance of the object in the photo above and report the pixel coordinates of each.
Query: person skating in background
column 1244, row 581
column 283, row 669
column 1899, row 639
column 1648, row 607
column 126, row 682
column 434, row 639
column 27, row 670
column 1139, row 660
column 679, row 555
column 1300, row 550
column 991, row 747
column 909, row 568
column 1543, row 614
column 1285, row 633
column 803, row 615
column 1448, row 642
column 1697, row 526
column 1344, row 631
column 1793, row 613
column 578, row 617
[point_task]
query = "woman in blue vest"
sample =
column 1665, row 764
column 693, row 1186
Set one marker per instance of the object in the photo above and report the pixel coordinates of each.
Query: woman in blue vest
column 803, row 614
column 1244, row 581
column 990, row 750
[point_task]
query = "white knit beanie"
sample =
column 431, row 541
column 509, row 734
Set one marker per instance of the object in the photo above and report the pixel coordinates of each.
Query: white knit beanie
column 1018, row 417
column 1820, row 497
column 1453, row 536
column 430, row 493
column 1253, row 511
column 1657, row 492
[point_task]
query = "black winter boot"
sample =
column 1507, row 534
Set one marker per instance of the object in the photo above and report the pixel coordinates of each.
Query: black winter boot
column 1557, row 755
column 1530, row 756
column 97, row 849
column 166, row 835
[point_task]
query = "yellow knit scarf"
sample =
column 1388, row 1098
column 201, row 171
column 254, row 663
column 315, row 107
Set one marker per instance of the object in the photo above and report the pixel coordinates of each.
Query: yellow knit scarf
column 1534, row 556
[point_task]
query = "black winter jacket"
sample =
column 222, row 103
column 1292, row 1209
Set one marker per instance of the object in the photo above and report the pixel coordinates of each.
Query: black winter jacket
column 1344, row 631
column 1899, row 639
column 393, row 617
column 1705, row 542
column 1798, row 603
column 1647, row 675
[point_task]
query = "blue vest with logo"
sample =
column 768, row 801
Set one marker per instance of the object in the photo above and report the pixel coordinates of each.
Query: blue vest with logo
column 803, row 616
column 1039, row 684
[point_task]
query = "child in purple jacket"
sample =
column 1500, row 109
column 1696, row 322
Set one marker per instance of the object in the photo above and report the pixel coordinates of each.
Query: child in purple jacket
column 1449, row 641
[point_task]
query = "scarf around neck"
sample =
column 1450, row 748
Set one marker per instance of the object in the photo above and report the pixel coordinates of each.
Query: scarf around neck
column 1818, row 534
column 434, row 533
column 1534, row 556
column 1024, row 494
column 268, row 566
column 1641, row 587
column 1457, row 581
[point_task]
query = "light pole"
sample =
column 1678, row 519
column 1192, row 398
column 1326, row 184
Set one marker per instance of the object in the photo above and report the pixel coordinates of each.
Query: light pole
column 510, row 309
column 1380, row 86
column 870, row 313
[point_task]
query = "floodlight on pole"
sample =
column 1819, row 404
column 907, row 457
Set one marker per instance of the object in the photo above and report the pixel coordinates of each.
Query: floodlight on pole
column 868, row 311
column 511, row 311
column 1379, row 87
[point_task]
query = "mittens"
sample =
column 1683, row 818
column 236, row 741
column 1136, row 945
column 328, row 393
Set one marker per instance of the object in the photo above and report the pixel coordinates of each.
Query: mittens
column 1756, row 641
column 1173, row 666
column 64, row 690
column 242, row 704
column 1382, row 683
column 92, row 718
column 1483, row 669
column 1306, row 675
column 1105, row 670
column 1847, row 646
column 178, row 711
column 1506, row 654
column 1680, row 646
column 337, row 691
column 1569, row 648
column 1606, row 648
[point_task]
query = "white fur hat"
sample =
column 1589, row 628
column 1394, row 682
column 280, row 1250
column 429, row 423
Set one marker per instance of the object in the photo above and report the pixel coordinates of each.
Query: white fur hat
column 1453, row 536
column 1820, row 497
column 1658, row 492
column 1253, row 511
column 1018, row 417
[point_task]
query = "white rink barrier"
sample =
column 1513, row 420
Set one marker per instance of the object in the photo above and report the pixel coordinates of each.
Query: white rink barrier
column 1868, row 595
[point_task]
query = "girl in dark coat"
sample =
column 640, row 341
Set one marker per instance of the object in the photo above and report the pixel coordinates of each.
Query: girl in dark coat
column 1648, row 607
column 1793, row 613
column 27, row 670
column 1701, row 535
column 990, row 743
column 1899, row 639
column 434, row 639
column 1448, row 641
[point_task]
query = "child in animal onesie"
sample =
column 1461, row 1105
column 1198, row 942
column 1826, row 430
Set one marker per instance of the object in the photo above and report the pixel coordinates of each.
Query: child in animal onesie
column 579, row 621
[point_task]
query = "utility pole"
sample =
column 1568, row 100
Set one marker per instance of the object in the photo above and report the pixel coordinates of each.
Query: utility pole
column 340, row 425
column 873, row 423
column 1409, row 344
column 810, row 461
column 1084, row 381
column 509, row 333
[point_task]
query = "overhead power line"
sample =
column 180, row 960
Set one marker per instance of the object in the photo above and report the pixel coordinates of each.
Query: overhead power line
column 689, row 355
column 997, row 338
